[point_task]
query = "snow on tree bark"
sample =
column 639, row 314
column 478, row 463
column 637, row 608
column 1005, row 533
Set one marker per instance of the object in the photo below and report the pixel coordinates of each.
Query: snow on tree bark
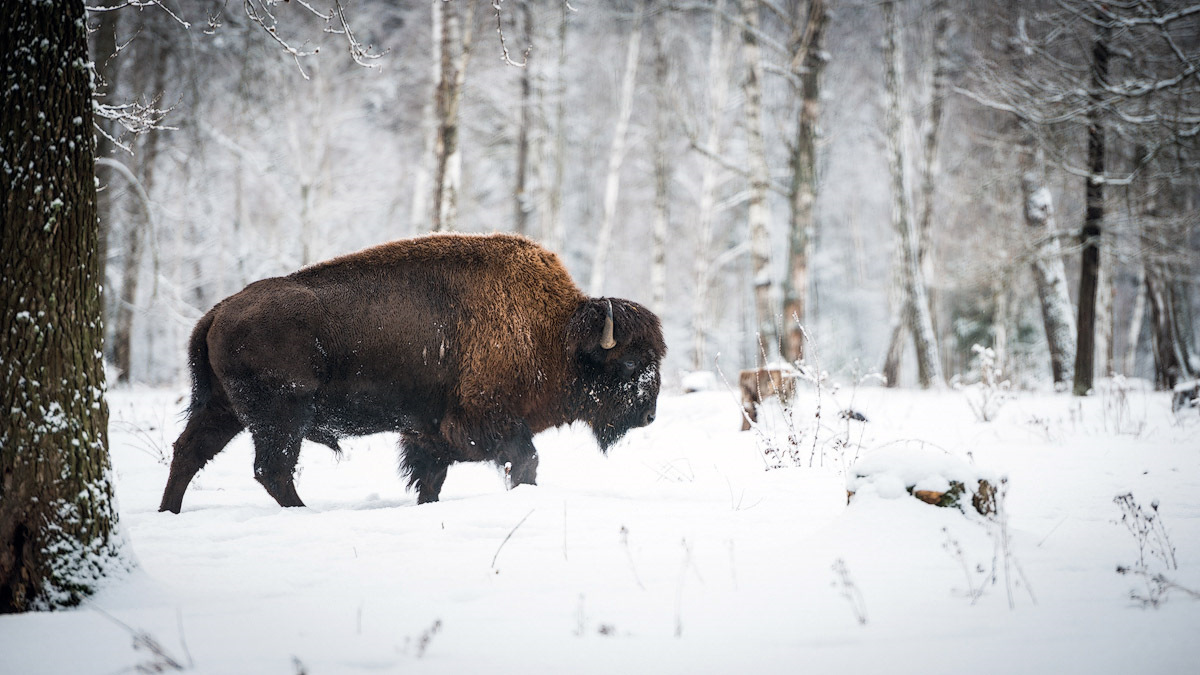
column 58, row 525
column 1049, row 275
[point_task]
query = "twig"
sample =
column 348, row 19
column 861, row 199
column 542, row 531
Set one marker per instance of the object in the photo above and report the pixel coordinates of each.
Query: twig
column 509, row 536
column 629, row 555
column 503, row 45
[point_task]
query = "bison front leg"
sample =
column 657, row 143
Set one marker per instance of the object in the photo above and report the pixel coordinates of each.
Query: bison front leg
column 426, row 462
column 518, row 458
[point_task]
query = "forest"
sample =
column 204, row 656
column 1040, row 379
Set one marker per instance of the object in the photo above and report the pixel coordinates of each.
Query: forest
column 879, row 186
column 957, row 239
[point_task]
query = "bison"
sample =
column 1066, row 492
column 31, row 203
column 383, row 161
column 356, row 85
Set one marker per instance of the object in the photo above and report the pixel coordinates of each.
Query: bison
column 466, row 345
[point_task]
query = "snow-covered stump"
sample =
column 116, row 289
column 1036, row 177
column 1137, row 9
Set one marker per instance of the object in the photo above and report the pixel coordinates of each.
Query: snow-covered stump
column 935, row 477
column 1185, row 395
column 759, row 384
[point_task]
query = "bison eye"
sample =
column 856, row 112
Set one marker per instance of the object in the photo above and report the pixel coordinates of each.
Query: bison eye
column 629, row 366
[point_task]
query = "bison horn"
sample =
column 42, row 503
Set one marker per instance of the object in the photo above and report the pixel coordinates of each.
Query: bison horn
column 606, row 338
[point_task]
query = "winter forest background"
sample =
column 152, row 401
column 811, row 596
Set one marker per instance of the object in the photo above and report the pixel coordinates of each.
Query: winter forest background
column 729, row 163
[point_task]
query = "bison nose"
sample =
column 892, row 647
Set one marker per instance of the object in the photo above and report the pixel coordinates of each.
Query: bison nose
column 648, row 418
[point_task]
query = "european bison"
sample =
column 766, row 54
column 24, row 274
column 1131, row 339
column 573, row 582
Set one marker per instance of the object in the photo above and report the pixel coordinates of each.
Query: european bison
column 467, row 345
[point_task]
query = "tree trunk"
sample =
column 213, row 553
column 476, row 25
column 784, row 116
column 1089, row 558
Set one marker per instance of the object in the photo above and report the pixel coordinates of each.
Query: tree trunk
column 916, row 304
column 1136, row 319
column 758, row 213
column 616, row 155
column 1049, row 275
column 58, row 524
column 554, row 226
column 139, row 227
column 104, row 51
column 1168, row 332
column 718, row 93
column 1104, row 316
column 662, row 173
column 907, row 317
column 454, row 37
column 1089, row 268
column 522, row 204
column 807, row 65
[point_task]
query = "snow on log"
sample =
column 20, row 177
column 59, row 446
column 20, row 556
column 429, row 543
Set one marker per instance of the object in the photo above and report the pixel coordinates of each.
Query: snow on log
column 933, row 476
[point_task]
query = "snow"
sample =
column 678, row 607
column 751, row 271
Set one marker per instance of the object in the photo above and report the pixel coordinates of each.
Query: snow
column 676, row 553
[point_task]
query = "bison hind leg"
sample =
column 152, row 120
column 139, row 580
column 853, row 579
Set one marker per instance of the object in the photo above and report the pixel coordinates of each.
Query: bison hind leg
column 209, row 429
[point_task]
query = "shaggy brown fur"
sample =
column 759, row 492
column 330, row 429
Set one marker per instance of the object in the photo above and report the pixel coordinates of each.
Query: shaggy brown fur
column 465, row 344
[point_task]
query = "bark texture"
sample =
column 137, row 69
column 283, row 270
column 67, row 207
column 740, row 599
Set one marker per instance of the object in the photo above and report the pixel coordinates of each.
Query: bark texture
column 1089, row 267
column 58, row 525
column 807, row 65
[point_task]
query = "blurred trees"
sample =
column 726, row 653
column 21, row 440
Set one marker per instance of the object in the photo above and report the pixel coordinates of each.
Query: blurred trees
column 755, row 194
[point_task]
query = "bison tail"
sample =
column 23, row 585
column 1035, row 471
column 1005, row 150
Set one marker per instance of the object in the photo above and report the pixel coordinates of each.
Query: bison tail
column 202, row 372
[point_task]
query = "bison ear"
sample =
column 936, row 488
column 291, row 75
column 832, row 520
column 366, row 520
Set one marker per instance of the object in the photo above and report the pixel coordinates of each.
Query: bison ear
column 590, row 328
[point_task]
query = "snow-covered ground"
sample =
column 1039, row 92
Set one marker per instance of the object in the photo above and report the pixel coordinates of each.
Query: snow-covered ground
column 677, row 553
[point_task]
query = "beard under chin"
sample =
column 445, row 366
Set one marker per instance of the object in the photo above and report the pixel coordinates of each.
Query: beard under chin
column 607, row 434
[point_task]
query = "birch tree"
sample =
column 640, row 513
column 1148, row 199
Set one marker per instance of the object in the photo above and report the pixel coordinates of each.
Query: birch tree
column 616, row 154
column 914, row 310
column 805, row 67
column 59, row 535
column 453, row 27
column 553, row 225
column 702, row 268
column 522, row 202
column 662, row 171
column 1049, row 273
column 758, row 213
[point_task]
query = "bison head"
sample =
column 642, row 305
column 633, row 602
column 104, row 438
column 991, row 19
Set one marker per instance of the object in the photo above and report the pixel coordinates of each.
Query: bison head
column 616, row 347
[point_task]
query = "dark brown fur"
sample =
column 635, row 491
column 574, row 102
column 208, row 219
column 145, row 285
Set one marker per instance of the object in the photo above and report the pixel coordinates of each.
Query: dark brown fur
column 466, row 345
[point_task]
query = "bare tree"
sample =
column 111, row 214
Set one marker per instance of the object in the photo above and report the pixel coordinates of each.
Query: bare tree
column 702, row 269
column 1127, row 85
column 662, row 171
column 759, row 214
column 914, row 309
column 806, row 65
column 1049, row 274
column 522, row 203
column 1089, row 268
column 616, row 154
column 58, row 523
column 553, row 224
column 452, row 35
